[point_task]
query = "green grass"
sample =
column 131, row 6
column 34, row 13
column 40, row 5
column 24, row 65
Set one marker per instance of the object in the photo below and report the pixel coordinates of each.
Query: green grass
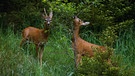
column 125, row 45
column 58, row 54
column 125, row 50
column 15, row 61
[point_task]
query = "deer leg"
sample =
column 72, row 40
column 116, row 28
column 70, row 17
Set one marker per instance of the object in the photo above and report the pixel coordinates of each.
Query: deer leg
column 41, row 54
column 75, row 57
column 78, row 59
column 37, row 50
column 22, row 42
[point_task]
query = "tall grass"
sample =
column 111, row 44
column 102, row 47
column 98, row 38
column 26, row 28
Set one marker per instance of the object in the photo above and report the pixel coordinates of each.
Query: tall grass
column 125, row 45
column 58, row 55
column 16, row 61
column 125, row 50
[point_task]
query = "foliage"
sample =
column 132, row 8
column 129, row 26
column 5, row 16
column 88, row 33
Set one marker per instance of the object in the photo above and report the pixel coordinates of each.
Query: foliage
column 99, row 66
column 105, row 13
column 110, row 34
column 111, row 24
column 21, row 14
column 63, row 13
column 101, row 14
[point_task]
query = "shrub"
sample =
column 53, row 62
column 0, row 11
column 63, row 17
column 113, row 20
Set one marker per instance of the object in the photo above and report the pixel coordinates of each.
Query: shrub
column 99, row 66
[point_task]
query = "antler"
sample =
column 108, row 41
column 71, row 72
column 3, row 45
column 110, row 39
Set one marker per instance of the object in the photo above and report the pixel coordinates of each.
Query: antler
column 45, row 12
column 51, row 14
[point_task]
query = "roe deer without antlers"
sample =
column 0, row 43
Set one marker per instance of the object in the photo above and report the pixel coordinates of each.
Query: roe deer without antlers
column 38, row 36
column 80, row 46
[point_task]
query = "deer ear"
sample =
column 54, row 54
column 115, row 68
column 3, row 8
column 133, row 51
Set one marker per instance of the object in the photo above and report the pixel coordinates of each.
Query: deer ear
column 51, row 14
column 85, row 23
column 74, row 17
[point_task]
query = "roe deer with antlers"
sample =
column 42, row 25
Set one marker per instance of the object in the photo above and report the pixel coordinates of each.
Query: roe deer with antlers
column 38, row 36
column 80, row 46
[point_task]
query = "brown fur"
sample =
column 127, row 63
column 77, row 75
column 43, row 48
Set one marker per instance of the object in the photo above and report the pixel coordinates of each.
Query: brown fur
column 38, row 36
column 80, row 46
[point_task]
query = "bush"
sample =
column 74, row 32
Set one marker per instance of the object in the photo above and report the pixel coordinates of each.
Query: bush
column 99, row 66
column 111, row 33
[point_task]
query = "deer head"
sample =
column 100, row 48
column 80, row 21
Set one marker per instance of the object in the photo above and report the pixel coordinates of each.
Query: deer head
column 78, row 22
column 47, row 18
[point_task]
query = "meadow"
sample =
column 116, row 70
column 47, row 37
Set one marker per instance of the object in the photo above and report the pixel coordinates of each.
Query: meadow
column 58, row 57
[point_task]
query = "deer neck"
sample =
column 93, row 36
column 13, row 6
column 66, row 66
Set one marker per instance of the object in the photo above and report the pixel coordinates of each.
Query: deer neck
column 46, row 31
column 76, row 33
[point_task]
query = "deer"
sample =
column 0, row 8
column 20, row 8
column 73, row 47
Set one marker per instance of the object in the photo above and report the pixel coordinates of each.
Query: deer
column 38, row 36
column 80, row 46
